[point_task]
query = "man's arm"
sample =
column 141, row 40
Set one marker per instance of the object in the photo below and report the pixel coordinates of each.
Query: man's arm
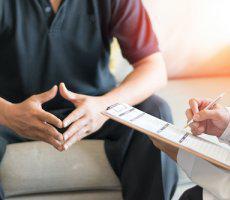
column 148, row 75
column 130, row 24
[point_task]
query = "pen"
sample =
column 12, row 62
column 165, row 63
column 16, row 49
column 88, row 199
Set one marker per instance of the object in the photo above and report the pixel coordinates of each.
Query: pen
column 209, row 106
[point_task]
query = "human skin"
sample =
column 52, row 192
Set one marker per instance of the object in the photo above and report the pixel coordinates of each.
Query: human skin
column 211, row 122
column 148, row 75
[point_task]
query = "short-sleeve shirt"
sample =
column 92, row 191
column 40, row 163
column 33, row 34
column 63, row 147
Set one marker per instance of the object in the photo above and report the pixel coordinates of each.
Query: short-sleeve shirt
column 39, row 49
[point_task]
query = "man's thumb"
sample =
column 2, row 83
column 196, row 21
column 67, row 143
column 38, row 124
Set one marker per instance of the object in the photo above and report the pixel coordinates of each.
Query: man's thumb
column 47, row 96
column 205, row 115
column 68, row 95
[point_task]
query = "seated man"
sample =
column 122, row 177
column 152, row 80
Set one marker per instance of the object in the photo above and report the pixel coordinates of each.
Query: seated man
column 47, row 42
column 214, row 183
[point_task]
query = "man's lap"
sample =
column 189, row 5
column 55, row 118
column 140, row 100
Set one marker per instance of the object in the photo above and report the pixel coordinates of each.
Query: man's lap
column 118, row 138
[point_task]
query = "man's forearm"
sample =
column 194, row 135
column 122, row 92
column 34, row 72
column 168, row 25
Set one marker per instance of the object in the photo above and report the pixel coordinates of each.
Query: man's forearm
column 3, row 110
column 148, row 76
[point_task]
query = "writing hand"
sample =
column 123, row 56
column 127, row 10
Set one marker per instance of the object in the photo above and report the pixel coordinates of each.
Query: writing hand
column 212, row 122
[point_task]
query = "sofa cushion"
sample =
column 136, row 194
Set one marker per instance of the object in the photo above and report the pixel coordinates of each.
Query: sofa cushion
column 82, row 195
column 36, row 167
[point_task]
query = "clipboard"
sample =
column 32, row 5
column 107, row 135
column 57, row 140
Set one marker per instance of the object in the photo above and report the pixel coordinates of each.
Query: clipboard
column 170, row 134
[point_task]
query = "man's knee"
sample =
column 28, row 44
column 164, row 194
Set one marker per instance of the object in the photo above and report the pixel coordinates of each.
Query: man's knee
column 157, row 107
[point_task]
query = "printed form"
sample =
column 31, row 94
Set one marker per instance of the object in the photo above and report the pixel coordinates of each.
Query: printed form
column 135, row 118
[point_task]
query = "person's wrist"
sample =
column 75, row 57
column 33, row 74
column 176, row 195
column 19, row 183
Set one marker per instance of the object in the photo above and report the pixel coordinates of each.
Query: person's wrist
column 5, row 113
column 107, row 101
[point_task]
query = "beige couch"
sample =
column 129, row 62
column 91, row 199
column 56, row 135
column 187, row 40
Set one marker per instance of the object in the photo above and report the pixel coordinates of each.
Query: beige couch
column 36, row 171
column 192, row 46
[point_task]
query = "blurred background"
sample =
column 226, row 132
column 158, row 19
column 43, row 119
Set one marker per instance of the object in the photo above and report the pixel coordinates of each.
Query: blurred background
column 194, row 37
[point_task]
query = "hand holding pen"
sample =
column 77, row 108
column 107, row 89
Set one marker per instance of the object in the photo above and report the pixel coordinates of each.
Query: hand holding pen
column 207, row 116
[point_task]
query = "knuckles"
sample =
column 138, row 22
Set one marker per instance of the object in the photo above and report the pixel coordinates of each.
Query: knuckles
column 33, row 112
column 191, row 101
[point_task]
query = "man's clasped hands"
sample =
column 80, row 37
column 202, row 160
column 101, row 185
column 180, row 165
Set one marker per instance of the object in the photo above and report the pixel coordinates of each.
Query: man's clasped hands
column 30, row 120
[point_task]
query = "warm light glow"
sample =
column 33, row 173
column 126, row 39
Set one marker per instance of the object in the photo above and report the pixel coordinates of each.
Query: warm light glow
column 194, row 35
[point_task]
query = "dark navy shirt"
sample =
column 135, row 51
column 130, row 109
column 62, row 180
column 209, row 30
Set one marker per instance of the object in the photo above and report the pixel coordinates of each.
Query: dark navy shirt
column 39, row 49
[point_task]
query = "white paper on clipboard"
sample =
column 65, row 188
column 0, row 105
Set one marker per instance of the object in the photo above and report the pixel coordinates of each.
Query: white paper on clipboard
column 169, row 133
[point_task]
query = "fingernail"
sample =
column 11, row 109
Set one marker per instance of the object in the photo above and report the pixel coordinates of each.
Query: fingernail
column 66, row 147
column 65, row 124
column 60, row 138
column 66, row 137
column 60, row 124
column 60, row 148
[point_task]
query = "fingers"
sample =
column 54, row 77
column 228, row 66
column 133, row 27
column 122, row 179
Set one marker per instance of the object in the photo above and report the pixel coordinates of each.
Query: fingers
column 197, row 131
column 206, row 115
column 46, row 133
column 77, row 137
column 68, row 95
column 47, row 96
column 50, row 131
column 198, row 128
column 189, row 114
column 56, row 144
column 75, row 127
column 50, row 118
column 199, row 104
column 74, row 116
column 194, row 105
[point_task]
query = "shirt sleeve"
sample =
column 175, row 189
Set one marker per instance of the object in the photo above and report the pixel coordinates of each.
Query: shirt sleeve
column 132, row 27
column 211, row 178
column 225, row 137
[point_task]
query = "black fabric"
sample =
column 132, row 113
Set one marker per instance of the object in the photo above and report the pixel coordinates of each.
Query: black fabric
column 137, row 163
column 39, row 49
column 1, row 193
column 195, row 193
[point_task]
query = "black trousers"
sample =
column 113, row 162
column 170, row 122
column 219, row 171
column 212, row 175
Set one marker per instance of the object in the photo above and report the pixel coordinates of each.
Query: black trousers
column 195, row 193
column 144, row 172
